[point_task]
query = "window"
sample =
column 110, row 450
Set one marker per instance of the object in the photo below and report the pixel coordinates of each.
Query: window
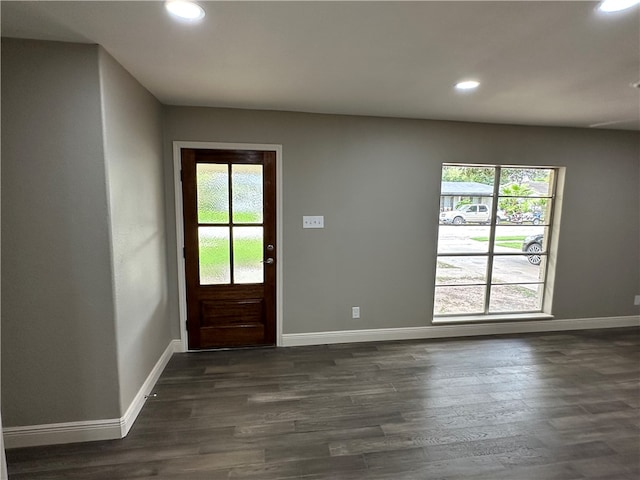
column 493, row 237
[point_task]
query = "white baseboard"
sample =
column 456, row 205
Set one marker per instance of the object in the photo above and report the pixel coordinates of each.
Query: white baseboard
column 3, row 459
column 69, row 432
column 136, row 405
column 91, row 430
column 456, row 330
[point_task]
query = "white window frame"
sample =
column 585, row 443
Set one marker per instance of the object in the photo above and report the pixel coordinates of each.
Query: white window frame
column 552, row 226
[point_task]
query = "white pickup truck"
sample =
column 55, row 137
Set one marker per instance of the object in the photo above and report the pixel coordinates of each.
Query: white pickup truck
column 472, row 213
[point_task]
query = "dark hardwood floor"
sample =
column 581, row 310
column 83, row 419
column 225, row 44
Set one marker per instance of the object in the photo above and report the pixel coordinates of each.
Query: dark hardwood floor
column 553, row 406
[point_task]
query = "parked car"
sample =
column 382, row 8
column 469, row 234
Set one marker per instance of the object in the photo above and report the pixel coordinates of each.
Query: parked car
column 533, row 217
column 475, row 212
column 533, row 246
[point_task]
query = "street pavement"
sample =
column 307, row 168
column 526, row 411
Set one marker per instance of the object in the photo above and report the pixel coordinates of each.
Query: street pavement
column 510, row 269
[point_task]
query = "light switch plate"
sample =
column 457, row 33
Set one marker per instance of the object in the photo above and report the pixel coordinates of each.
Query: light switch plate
column 313, row 221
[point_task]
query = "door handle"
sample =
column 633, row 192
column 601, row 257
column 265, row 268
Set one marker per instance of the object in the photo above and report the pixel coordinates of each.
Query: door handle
column 268, row 261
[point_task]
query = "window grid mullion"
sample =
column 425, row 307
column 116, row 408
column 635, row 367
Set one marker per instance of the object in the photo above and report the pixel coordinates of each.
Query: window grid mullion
column 230, row 225
column 492, row 237
column 549, row 232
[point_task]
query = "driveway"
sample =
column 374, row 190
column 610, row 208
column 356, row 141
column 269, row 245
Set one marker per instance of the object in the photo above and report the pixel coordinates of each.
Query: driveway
column 511, row 269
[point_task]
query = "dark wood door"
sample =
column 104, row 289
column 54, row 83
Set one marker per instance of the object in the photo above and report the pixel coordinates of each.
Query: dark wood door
column 229, row 207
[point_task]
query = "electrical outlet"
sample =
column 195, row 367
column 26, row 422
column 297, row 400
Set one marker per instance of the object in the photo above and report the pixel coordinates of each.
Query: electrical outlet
column 636, row 300
column 316, row 221
column 355, row 312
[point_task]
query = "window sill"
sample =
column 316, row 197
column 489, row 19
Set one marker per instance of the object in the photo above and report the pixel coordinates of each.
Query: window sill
column 508, row 317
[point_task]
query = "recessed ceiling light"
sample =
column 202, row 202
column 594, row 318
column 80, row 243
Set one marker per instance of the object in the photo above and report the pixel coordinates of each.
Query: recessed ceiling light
column 184, row 10
column 616, row 5
column 467, row 85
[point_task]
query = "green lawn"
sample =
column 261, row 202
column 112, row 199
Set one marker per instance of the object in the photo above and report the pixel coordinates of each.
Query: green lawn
column 216, row 216
column 214, row 255
column 513, row 241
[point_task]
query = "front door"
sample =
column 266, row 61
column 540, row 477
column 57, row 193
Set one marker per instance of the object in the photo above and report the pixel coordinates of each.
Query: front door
column 229, row 208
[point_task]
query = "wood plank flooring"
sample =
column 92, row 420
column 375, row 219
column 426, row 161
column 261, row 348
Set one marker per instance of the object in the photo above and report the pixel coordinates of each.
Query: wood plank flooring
column 552, row 406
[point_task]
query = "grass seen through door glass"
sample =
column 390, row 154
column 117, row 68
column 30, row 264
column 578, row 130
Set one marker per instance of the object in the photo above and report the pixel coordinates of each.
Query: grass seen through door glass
column 214, row 255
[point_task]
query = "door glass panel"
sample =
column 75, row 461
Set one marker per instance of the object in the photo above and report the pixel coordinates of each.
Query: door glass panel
column 246, row 184
column 248, row 255
column 213, row 192
column 213, row 244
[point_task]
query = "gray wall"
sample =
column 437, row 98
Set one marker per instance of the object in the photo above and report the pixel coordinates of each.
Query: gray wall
column 3, row 458
column 133, row 156
column 377, row 180
column 58, row 335
column 84, row 304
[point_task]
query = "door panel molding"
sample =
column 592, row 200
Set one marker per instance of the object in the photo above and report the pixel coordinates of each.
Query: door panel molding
column 182, row 295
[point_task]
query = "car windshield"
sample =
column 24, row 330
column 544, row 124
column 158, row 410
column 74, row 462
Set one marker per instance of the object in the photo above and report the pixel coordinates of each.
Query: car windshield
column 463, row 208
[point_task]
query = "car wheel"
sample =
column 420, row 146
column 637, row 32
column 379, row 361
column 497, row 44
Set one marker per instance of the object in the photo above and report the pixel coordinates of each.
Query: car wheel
column 534, row 251
column 457, row 221
column 536, row 221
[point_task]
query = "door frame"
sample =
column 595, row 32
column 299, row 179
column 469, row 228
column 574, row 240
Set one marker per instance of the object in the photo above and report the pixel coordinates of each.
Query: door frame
column 182, row 287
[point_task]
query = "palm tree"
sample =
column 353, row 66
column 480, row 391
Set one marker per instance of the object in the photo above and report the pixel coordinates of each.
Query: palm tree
column 518, row 198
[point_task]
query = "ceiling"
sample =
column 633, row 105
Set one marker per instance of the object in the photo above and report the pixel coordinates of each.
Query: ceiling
column 539, row 63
